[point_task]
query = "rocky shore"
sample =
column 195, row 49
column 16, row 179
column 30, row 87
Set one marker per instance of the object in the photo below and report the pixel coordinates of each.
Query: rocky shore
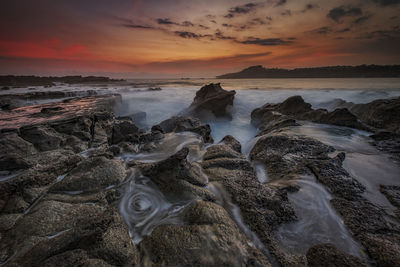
column 82, row 187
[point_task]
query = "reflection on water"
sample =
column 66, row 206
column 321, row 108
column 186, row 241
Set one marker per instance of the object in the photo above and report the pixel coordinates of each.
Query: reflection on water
column 317, row 221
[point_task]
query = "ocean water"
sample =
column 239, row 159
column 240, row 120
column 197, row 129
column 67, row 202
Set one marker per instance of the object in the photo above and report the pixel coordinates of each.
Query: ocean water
column 318, row 222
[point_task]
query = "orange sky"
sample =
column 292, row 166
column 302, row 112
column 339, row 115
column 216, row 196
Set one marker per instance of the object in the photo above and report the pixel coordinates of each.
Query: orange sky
column 165, row 38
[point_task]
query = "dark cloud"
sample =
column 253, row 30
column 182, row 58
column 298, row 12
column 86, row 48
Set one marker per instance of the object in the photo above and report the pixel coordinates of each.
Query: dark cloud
column 309, row 7
column 268, row 18
column 187, row 24
column 343, row 30
column 226, row 25
column 322, row 31
column 138, row 26
column 190, row 35
column 394, row 17
column 287, row 12
column 258, row 21
column 166, row 21
column 340, row 12
column 243, row 9
column 280, row 3
column 386, row 2
column 266, row 42
column 390, row 34
column 220, row 35
column 362, row 19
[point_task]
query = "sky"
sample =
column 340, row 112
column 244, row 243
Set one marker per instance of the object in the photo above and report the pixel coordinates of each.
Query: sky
column 187, row 38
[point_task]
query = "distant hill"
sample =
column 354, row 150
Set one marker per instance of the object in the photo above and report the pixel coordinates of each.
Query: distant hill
column 361, row 71
column 11, row 80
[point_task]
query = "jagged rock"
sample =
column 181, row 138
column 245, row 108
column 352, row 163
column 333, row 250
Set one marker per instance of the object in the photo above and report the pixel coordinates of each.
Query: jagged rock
column 328, row 255
column 263, row 207
column 209, row 237
column 42, row 137
column 382, row 114
column 175, row 176
column 285, row 155
column 392, row 193
column 232, row 142
column 93, row 174
column 368, row 223
column 275, row 116
column 212, row 100
column 124, row 130
column 182, row 124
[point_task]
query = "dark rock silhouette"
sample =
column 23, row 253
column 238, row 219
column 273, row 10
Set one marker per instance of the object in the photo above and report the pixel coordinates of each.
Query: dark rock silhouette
column 212, row 100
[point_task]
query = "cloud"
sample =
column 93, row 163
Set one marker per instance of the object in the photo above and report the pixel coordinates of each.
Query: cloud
column 287, row 12
column 191, row 35
column 343, row 30
column 386, row 2
column 220, row 35
column 340, row 12
column 309, row 7
column 362, row 19
column 266, row 42
column 243, row 9
column 322, row 31
column 280, row 3
column 138, row 26
column 165, row 21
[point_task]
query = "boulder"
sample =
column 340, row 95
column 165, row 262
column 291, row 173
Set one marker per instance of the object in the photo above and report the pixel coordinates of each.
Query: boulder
column 382, row 114
column 328, row 255
column 93, row 174
column 212, row 100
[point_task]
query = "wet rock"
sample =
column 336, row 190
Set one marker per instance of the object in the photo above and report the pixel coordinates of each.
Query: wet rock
column 42, row 137
column 392, row 193
column 232, row 142
column 285, row 155
column 382, row 114
column 124, row 130
column 329, row 255
column 209, row 237
column 331, row 173
column 263, row 207
column 5, row 88
column 274, row 116
column 177, row 178
column 369, row 224
column 185, row 124
column 154, row 89
column 92, row 174
column 388, row 142
column 212, row 100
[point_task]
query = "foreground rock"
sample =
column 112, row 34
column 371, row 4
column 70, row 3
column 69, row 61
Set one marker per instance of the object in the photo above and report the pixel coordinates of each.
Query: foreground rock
column 328, row 255
column 287, row 158
column 179, row 124
column 207, row 233
column 212, row 101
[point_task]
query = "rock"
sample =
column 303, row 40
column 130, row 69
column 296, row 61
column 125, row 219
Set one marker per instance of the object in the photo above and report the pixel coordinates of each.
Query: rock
column 275, row 116
column 92, row 174
column 232, row 142
column 369, row 224
column 124, row 130
column 285, row 156
column 341, row 117
column 154, row 89
column 388, row 142
column 209, row 238
column 392, row 193
column 382, row 114
column 212, row 100
column 5, row 88
column 329, row 255
column 262, row 207
column 179, row 124
column 42, row 137
column 176, row 177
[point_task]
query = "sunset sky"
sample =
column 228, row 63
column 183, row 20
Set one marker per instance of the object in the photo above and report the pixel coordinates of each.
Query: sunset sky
column 183, row 38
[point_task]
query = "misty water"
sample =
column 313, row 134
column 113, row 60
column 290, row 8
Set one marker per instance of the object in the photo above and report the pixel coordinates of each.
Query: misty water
column 318, row 222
